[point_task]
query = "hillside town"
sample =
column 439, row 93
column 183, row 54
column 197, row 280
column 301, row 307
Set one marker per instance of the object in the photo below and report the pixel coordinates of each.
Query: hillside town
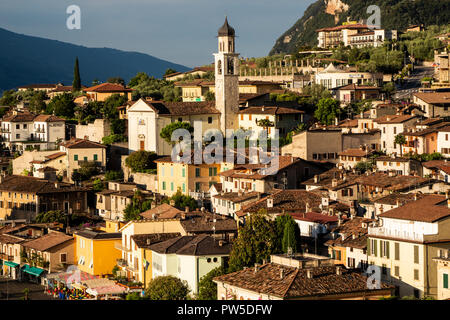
column 337, row 189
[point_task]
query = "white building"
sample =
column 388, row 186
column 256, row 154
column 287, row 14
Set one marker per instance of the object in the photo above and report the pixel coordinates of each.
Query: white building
column 22, row 130
column 391, row 126
column 313, row 224
column 189, row 258
column 333, row 77
column 405, row 242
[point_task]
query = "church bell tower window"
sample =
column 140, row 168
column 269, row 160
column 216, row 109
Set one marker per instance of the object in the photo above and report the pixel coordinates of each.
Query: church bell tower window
column 219, row 67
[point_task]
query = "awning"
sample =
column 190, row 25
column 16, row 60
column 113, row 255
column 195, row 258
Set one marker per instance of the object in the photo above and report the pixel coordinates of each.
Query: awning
column 10, row 264
column 32, row 270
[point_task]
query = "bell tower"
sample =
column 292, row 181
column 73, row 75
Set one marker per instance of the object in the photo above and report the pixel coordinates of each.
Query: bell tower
column 227, row 79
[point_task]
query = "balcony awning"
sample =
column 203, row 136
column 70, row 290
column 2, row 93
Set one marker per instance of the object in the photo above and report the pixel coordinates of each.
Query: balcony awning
column 32, row 270
column 10, row 264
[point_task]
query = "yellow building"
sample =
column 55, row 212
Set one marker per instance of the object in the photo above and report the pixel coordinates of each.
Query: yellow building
column 189, row 178
column 103, row 91
column 95, row 252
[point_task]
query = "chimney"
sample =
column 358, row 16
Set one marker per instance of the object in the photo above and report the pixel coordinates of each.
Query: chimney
column 256, row 268
column 220, row 243
column 148, row 241
column 353, row 236
column 269, row 202
column 258, row 196
column 56, row 185
column 415, row 196
column 239, row 193
column 339, row 271
column 307, row 208
column 448, row 203
column 202, row 209
column 334, row 183
column 309, row 274
column 316, row 178
column 183, row 216
column 172, row 203
column 281, row 273
column 186, row 209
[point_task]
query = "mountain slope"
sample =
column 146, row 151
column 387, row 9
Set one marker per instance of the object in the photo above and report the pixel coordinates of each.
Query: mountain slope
column 26, row 60
column 395, row 14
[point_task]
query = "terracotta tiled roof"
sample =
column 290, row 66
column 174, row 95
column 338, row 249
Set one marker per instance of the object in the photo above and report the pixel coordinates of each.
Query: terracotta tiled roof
column 295, row 283
column 203, row 245
column 146, row 240
column 314, row 217
column 325, row 180
column 47, row 118
column 288, row 200
column 236, row 197
column 182, row 108
column 392, row 183
column 396, row 159
column 269, row 110
column 353, row 231
column 435, row 164
column 8, row 239
column 35, row 185
column 349, row 123
column 434, row 97
column 108, row 87
column 428, row 209
column 47, row 241
column 350, row 26
column 82, row 144
column 19, row 117
column 356, row 87
column 163, row 211
column 55, row 155
column 198, row 222
column 356, row 153
column 96, row 235
column 394, row 118
column 401, row 198
column 171, row 246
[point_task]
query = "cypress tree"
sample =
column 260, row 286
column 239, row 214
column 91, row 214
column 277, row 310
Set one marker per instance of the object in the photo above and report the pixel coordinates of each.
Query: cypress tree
column 289, row 238
column 76, row 85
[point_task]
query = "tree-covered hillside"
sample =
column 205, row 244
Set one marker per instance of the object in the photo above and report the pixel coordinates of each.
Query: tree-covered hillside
column 395, row 14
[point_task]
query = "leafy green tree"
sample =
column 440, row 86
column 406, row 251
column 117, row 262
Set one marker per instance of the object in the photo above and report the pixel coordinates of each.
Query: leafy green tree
column 363, row 166
column 317, row 92
column 141, row 160
column 210, row 96
column 117, row 80
column 400, row 140
column 170, row 71
column 134, row 296
column 256, row 241
column 36, row 102
column 207, row 289
column 98, row 185
column 289, row 237
column 109, row 108
column 182, row 201
column 62, row 105
column 138, row 205
column 8, row 98
column 95, row 82
column 167, row 288
column 87, row 170
column 114, row 175
column 51, row 216
column 265, row 123
column 113, row 138
column 166, row 132
column 327, row 111
column 76, row 84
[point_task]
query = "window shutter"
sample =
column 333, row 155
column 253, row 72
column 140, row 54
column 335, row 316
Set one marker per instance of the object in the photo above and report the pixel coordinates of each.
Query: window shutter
column 416, row 254
column 387, row 249
column 375, row 247
column 445, row 280
column 397, row 251
column 368, row 246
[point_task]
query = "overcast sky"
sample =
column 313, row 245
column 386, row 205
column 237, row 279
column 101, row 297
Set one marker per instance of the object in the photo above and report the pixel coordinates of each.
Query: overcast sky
column 181, row 31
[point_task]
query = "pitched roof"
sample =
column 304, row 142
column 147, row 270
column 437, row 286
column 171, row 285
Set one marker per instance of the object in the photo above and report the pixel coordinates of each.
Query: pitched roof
column 288, row 200
column 172, row 245
column 146, row 240
column 47, row 118
column 348, row 26
column 434, row 97
column 356, row 153
column 47, row 241
column 36, row 185
column 19, row 117
column 430, row 208
column 55, row 155
column 81, row 144
column 203, row 222
column 237, row 197
column 295, row 282
column 163, row 211
column 182, row 108
column 394, row 118
column 392, row 183
column 357, row 87
column 352, row 233
column 269, row 110
column 314, row 217
column 98, row 235
column 108, row 87
column 203, row 245
column 401, row 198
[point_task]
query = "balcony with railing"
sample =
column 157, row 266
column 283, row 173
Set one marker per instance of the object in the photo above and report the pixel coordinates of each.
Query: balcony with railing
column 118, row 246
column 392, row 233
column 5, row 256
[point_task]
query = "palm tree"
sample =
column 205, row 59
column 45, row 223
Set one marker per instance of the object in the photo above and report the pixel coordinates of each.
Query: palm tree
column 401, row 140
column 265, row 123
